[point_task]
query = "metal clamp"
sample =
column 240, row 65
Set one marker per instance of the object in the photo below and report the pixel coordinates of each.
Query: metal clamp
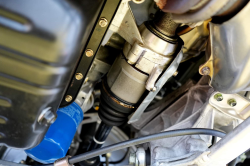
column 162, row 80
column 63, row 161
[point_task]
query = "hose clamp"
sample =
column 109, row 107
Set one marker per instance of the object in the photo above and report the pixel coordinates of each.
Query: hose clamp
column 63, row 161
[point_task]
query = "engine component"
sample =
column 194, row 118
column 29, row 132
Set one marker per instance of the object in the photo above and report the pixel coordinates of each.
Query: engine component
column 231, row 104
column 229, row 59
column 136, row 141
column 40, row 44
column 89, row 52
column 59, row 136
column 128, row 79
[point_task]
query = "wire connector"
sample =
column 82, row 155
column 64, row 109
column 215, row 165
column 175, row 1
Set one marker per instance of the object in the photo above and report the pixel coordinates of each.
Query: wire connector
column 63, row 161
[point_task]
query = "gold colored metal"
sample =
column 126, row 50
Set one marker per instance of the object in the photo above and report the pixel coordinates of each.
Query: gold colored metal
column 207, row 68
column 89, row 53
column 103, row 22
column 78, row 76
column 175, row 74
column 68, row 98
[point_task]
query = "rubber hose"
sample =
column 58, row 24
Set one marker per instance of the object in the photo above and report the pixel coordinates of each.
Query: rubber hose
column 140, row 140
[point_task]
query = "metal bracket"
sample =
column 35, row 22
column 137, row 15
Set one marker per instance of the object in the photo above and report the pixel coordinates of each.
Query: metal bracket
column 63, row 161
column 162, row 80
column 91, row 49
column 233, row 105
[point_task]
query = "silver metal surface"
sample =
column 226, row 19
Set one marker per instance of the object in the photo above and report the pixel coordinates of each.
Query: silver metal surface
column 85, row 98
column 156, row 44
column 46, row 117
column 63, row 162
column 208, row 10
column 231, row 146
column 240, row 111
column 230, row 49
column 162, row 80
column 145, row 59
column 124, row 24
column 125, row 81
column 138, row 158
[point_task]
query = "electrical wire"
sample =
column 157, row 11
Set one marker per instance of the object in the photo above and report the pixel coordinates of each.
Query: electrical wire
column 141, row 140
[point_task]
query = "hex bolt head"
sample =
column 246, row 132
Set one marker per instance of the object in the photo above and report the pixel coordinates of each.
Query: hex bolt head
column 232, row 102
column 68, row 98
column 78, row 76
column 154, row 89
column 218, row 97
column 46, row 117
column 103, row 22
column 89, row 53
column 205, row 70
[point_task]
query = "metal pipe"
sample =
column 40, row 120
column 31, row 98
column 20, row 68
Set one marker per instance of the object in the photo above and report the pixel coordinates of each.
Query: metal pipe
column 231, row 146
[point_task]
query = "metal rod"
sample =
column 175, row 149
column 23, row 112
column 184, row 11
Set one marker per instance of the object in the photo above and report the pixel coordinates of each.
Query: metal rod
column 231, row 146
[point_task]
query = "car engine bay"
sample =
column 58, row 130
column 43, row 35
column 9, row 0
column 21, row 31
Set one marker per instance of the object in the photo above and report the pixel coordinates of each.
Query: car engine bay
column 124, row 82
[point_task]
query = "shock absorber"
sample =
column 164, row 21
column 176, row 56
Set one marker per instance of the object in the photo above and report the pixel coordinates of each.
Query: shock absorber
column 134, row 73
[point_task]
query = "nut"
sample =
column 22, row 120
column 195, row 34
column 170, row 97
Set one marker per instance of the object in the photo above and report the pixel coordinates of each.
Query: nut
column 68, row 98
column 89, row 53
column 205, row 70
column 154, row 89
column 218, row 97
column 232, row 102
column 79, row 76
column 103, row 22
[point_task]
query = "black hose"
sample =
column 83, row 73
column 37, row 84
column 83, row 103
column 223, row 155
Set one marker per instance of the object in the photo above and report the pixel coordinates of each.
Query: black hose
column 140, row 140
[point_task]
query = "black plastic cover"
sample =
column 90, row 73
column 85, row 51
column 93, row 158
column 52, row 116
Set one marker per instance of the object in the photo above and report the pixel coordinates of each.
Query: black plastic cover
column 40, row 44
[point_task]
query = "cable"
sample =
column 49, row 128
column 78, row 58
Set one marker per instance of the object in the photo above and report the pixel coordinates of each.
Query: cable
column 141, row 140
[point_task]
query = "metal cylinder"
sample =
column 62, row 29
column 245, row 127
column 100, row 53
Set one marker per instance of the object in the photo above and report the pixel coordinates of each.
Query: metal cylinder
column 125, row 81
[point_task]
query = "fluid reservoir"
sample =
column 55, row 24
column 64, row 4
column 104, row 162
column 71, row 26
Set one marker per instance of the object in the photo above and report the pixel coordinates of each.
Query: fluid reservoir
column 59, row 136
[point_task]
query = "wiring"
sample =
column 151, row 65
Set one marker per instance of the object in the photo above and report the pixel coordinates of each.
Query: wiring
column 140, row 140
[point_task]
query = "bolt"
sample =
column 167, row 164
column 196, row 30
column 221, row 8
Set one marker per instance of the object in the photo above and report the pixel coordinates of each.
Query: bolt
column 79, row 76
column 218, row 97
column 232, row 102
column 175, row 74
column 46, row 117
column 103, row 22
column 68, row 98
column 205, row 70
column 154, row 89
column 89, row 53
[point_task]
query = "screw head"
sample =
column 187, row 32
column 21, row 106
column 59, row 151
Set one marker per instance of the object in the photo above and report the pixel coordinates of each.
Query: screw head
column 89, row 53
column 232, row 102
column 218, row 97
column 103, row 22
column 205, row 70
column 68, row 98
column 78, row 76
